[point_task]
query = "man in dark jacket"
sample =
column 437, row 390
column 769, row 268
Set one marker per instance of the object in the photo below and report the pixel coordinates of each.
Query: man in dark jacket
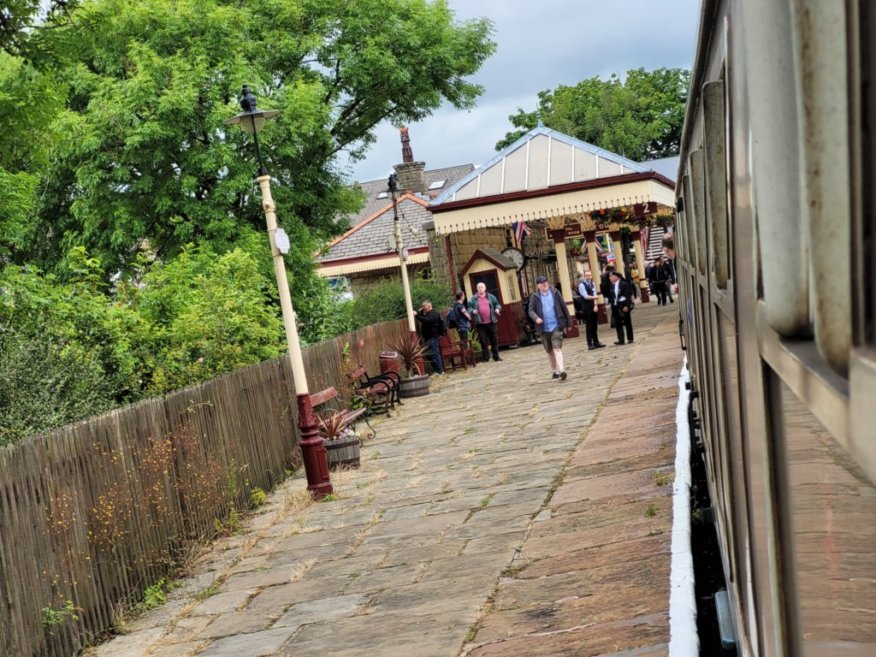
column 658, row 280
column 461, row 317
column 551, row 316
column 431, row 328
column 590, row 312
column 620, row 298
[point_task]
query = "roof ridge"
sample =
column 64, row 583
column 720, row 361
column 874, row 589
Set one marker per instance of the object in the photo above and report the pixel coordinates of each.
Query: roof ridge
column 369, row 219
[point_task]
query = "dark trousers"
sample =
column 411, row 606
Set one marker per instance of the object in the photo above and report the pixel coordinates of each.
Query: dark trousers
column 488, row 334
column 623, row 320
column 591, row 319
column 434, row 355
column 660, row 291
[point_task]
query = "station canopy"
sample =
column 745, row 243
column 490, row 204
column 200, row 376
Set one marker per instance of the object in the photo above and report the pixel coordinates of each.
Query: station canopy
column 548, row 176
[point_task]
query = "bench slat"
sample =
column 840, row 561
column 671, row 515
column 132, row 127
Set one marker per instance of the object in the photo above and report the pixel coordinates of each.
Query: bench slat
column 323, row 396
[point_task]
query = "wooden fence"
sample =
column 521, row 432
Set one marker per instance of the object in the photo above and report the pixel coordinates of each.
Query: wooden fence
column 93, row 513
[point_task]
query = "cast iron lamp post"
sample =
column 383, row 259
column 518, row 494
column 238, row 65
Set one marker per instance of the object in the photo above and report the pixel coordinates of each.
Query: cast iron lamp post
column 393, row 186
column 251, row 120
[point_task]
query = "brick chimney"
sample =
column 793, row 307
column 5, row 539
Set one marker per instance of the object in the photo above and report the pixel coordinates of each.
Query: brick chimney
column 411, row 175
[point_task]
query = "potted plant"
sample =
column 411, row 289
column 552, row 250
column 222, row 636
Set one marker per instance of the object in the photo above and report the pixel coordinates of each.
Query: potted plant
column 414, row 380
column 341, row 442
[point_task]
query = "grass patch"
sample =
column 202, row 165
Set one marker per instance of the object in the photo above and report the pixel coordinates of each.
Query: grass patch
column 664, row 478
column 651, row 511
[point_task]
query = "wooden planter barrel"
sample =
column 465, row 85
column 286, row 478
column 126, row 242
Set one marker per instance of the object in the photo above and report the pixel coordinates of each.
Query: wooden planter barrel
column 414, row 386
column 342, row 452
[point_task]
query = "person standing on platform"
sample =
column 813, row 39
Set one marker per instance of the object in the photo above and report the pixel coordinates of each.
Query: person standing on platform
column 431, row 328
column 485, row 309
column 590, row 309
column 669, row 273
column 605, row 281
column 462, row 317
column 551, row 316
column 620, row 297
column 658, row 280
column 669, row 252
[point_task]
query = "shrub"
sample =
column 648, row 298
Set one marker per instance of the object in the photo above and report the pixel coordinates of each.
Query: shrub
column 385, row 300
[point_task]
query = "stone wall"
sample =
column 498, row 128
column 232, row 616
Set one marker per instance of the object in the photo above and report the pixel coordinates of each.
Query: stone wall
column 463, row 246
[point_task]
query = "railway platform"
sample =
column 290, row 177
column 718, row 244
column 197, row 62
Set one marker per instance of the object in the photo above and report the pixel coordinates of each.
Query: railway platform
column 503, row 514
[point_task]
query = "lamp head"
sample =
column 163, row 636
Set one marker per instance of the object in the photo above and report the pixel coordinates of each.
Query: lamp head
column 392, row 183
column 251, row 119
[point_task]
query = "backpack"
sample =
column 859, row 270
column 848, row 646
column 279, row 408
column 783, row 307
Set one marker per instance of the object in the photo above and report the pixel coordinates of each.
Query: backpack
column 450, row 321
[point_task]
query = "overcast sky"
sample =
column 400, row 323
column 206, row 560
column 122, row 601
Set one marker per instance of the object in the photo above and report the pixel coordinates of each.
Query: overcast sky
column 540, row 45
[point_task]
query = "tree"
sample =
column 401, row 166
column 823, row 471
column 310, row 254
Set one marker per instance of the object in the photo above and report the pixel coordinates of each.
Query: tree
column 66, row 351
column 30, row 100
column 143, row 152
column 640, row 117
column 128, row 210
column 23, row 23
column 207, row 314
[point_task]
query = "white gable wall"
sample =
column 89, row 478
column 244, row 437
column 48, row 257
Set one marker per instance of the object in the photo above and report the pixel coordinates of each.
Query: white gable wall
column 543, row 159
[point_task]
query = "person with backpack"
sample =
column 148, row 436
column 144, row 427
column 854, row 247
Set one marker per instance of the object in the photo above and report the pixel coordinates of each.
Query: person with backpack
column 459, row 318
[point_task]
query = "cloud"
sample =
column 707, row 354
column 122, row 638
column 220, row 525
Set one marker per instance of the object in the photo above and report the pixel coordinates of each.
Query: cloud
column 540, row 46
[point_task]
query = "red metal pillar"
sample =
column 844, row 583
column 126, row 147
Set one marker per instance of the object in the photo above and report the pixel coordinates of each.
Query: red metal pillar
column 312, row 450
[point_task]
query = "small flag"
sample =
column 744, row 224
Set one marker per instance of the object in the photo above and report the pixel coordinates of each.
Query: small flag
column 521, row 230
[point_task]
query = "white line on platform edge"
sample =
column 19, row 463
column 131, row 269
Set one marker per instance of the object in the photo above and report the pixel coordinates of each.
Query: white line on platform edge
column 683, row 639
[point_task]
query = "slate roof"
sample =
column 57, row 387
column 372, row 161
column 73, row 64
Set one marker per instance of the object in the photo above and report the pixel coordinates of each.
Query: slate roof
column 372, row 235
column 373, row 188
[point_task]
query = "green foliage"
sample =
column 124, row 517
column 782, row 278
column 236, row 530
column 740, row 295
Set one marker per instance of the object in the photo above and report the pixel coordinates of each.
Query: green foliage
column 156, row 595
column 69, row 349
column 23, row 24
column 640, row 117
column 133, row 254
column 66, row 351
column 53, row 617
column 142, row 152
column 385, row 300
column 257, row 497
column 29, row 102
column 207, row 315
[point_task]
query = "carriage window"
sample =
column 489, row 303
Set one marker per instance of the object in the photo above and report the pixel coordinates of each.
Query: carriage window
column 716, row 178
column 867, row 241
column 698, row 173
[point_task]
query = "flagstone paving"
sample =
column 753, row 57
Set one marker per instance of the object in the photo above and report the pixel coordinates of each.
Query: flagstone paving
column 503, row 514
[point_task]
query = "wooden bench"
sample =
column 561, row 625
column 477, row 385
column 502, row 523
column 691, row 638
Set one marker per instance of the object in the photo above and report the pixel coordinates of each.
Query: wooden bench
column 378, row 392
column 453, row 351
column 346, row 417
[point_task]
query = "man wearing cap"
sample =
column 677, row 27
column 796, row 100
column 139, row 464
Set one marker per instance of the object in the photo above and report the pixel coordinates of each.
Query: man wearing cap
column 620, row 297
column 548, row 310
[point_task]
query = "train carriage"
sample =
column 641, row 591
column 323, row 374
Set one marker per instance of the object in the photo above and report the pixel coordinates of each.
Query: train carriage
column 776, row 260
